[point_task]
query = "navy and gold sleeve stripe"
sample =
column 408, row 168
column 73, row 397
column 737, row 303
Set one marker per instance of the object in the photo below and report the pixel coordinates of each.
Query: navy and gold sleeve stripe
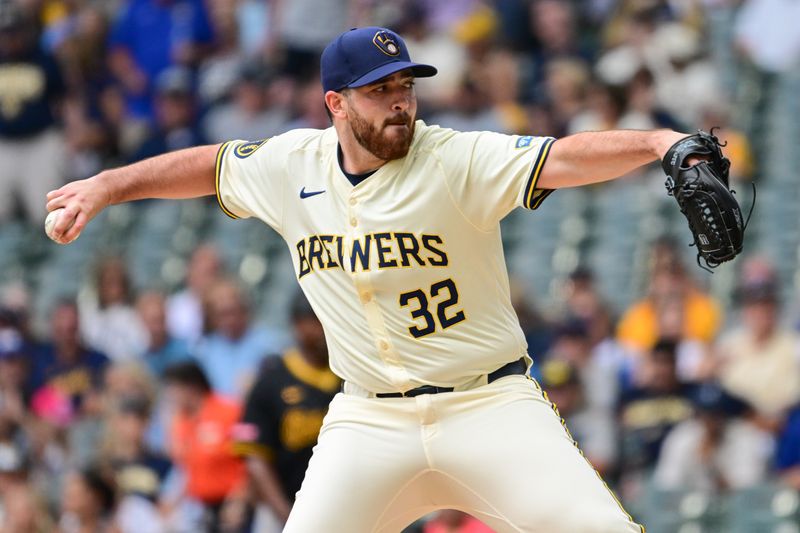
column 218, row 174
column 533, row 196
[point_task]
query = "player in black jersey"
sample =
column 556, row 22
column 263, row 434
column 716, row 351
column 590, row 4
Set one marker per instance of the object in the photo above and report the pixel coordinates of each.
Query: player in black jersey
column 283, row 415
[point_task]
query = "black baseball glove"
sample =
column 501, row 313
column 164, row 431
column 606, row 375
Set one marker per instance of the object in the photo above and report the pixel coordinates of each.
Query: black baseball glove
column 705, row 198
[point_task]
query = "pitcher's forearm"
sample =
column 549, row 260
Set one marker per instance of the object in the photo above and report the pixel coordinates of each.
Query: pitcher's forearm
column 183, row 174
column 186, row 173
column 595, row 156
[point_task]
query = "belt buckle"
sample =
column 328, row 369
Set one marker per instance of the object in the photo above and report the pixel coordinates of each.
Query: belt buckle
column 423, row 389
column 426, row 389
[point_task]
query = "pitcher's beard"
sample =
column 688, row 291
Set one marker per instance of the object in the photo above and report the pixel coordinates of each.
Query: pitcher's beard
column 374, row 140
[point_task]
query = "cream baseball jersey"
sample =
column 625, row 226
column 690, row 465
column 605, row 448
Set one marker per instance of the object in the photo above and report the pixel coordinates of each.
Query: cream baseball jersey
column 405, row 270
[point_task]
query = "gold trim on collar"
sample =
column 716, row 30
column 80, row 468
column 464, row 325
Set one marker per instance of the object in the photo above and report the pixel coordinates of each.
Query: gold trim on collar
column 319, row 378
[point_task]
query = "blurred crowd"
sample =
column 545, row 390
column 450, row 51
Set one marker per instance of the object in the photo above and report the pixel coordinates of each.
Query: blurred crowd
column 87, row 84
column 129, row 414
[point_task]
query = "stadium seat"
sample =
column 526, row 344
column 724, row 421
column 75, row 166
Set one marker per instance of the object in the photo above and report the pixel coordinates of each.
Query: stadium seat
column 682, row 511
column 764, row 509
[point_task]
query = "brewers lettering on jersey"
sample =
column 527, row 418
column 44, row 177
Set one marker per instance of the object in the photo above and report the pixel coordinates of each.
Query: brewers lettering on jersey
column 409, row 256
column 393, row 226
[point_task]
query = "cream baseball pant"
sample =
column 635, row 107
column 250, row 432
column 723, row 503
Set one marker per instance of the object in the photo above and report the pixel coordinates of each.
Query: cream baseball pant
column 498, row 452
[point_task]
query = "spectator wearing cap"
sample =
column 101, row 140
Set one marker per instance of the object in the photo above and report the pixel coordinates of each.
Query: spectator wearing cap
column 252, row 113
column 232, row 352
column 592, row 428
column 148, row 38
column 283, row 416
column 648, row 412
column 202, row 433
column 600, row 378
column 717, row 449
column 31, row 140
column 15, row 378
column 84, row 436
column 139, row 473
column 580, row 293
column 758, row 359
column 175, row 115
column 17, row 426
column 583, row 301
column 133, row 379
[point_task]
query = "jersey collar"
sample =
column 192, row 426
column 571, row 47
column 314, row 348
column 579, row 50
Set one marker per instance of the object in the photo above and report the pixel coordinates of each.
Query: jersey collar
column 320, row 378
column 391, row 169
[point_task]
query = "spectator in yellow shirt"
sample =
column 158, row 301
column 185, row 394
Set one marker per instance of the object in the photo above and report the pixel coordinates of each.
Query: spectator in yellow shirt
column 673, row 308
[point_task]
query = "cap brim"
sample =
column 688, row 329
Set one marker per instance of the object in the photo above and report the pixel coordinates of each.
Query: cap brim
column 419, row 71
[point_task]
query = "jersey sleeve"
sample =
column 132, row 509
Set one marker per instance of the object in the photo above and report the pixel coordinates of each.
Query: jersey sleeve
column 497, row 174
column 249, row 179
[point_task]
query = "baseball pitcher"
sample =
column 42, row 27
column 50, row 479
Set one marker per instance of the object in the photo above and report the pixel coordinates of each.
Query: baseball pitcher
column 393, row 228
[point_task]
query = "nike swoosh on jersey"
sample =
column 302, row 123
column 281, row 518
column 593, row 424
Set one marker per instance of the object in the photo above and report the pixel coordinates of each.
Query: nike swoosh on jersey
column 304, row 194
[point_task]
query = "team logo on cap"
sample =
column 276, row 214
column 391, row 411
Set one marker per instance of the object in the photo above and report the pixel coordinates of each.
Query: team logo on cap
column 386, row 43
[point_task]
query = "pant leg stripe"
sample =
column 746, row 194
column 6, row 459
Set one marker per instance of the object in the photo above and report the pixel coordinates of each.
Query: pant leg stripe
column 575, row 443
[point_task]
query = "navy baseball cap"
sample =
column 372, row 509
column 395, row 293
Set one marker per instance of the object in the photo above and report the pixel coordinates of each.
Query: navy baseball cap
column 362, row 56
column 710, row 397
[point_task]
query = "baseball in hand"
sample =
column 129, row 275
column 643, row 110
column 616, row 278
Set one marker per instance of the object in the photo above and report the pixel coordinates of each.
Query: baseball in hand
column 50, row 223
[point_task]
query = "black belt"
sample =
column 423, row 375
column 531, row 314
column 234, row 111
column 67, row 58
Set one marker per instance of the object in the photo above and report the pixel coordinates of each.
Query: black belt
column 516, row 367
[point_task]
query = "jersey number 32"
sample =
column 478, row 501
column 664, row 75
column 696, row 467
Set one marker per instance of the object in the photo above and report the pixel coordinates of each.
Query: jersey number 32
column 418, row 302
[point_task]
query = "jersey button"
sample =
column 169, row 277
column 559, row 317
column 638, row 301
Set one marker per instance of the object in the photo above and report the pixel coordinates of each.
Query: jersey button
column 353, row 201
column 366, row 297
column 353, row 222
column 384, row 345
